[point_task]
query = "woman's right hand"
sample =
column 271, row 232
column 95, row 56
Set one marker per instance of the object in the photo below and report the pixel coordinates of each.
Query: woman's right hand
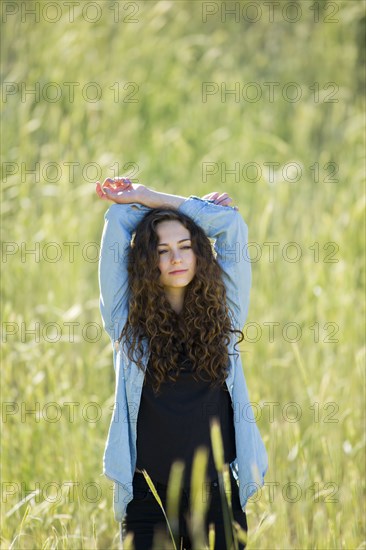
column 119, row 190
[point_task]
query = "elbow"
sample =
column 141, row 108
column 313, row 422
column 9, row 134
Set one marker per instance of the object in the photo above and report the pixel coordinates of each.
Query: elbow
column 112, row 211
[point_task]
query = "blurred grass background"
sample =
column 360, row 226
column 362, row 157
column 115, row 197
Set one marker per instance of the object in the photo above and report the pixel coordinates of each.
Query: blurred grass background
column 163, row 139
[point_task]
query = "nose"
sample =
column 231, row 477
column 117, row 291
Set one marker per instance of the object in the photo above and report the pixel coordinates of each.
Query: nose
column 176, row 256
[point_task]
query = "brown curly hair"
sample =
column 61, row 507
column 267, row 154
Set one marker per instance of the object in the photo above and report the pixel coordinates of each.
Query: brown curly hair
column 201, row 329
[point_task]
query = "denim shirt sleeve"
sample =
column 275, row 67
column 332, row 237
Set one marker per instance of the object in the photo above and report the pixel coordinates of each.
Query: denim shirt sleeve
column 120, row 222
column 227, row 227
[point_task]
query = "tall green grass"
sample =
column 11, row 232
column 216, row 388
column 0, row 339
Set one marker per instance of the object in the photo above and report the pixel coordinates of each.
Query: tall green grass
column 198, row 504
column 169, row 133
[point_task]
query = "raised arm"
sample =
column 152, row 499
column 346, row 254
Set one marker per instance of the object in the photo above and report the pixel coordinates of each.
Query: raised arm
column 120, row 222
column 227, row 227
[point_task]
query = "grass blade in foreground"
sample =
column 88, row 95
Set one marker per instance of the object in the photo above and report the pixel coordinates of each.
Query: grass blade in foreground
column 173, row 497
column 155, row 493
column 198, row 504
column 224, row 479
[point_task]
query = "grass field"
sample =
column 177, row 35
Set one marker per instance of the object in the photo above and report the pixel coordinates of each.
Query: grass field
column 266, row 104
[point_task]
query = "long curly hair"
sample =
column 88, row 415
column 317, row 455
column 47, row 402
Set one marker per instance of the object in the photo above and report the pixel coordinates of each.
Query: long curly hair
column 201, row 331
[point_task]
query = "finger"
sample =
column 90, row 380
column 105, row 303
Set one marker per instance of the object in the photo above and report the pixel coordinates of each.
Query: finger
column 113, row 183
column 223, row 203
column 100, row 192
column 122, row 181
column 109, row 182
column 126, row 180
column 212, row 196
column 99, row 189
column 223, row 198
column 108, row 190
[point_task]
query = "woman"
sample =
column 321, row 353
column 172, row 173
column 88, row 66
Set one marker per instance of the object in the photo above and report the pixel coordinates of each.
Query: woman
column 171, row 309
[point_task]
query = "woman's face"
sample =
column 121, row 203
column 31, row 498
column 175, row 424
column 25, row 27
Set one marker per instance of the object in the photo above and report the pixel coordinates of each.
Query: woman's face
column 175, row 254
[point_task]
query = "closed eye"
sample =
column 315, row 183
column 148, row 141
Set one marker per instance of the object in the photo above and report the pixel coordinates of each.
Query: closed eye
column 183, row 247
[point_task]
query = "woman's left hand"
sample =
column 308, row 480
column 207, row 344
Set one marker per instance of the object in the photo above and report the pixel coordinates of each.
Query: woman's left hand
column 222, row 199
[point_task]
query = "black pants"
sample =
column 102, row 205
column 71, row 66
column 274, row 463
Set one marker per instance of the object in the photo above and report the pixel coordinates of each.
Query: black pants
column 144, row 515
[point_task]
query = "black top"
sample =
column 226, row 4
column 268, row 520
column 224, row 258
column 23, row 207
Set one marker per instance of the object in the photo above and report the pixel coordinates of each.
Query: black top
column 174, row 422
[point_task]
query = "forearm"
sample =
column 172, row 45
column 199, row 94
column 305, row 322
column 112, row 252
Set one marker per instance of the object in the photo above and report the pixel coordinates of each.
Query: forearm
column 155, row 199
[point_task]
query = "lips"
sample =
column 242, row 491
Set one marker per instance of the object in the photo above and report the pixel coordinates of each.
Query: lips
column 178, row 271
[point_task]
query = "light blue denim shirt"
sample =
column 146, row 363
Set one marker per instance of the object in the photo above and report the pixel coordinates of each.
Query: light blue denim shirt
column 225, row 225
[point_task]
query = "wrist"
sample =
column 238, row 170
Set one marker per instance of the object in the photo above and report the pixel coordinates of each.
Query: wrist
column 155, row 199
column 146, row 196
